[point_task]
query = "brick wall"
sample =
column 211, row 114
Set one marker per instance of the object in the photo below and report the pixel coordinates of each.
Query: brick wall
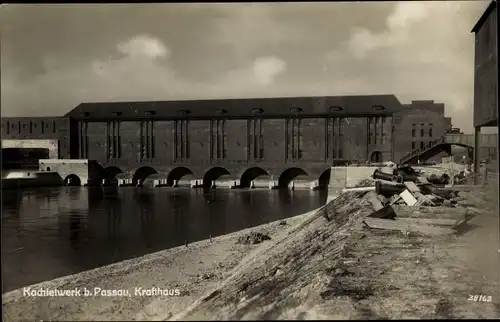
column 41, row 128
column 421, row 123
column 236, row 144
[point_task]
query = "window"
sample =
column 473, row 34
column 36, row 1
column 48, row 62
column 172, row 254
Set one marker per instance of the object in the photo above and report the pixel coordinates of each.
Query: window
column 421, row 144
column 413, row 133
column 421, row 132
column 413, row 145
column 430, row 133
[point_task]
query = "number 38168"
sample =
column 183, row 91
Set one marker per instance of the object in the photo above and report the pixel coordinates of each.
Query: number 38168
column 480, row 298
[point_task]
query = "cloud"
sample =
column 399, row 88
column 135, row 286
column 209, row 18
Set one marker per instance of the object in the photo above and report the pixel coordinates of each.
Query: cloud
column 247, row 28
column 143, row 72
column 265, row 69
column 139, row 74
column 403, row 24
column 425, row 52
column 416, row 50
column 407, row 13
column 143, row 46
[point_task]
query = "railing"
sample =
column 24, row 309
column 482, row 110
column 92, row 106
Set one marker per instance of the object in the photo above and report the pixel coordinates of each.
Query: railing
column 416, row 152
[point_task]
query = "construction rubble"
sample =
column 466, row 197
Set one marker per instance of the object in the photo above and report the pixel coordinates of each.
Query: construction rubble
column 413, row 201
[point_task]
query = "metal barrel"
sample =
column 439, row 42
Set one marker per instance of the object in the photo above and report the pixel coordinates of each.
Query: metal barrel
column 403, row 176
column 388, row 189
column 440, row 192
column 444, row 179
column 377, row 174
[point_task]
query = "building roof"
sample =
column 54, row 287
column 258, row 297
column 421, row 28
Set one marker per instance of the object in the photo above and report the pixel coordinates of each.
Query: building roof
column 282, row 106
column 484, row 16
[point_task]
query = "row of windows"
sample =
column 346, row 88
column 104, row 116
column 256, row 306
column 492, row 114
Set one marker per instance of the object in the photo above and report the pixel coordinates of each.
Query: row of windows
column 422, row 131
column 45, row 127
column 376, row 127
column 147, row 140
column 293, row 144
column 256, row 138
column 114, row 146
column 255, row 111
column 219, row 149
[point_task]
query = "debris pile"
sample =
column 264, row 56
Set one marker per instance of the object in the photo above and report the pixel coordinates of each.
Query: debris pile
column 253, row 238
column 405, row 173
column 405, row 199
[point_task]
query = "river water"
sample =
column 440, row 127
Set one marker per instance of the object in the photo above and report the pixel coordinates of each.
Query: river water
column 53, row 232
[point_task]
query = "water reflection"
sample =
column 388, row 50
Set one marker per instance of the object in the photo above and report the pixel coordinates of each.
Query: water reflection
column 52, row 232
column 74, row 228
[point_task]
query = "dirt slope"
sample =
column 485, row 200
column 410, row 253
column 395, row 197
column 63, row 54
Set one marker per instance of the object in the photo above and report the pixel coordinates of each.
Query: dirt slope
column 338, row 270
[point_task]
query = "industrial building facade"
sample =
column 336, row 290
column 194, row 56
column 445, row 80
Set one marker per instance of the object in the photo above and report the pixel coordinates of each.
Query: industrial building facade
column 308, row 134
column 485, row 73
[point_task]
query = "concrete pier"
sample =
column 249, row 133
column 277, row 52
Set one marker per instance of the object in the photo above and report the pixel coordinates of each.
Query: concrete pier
column 124, row 182
column 314, row 185
column 197, row 183
column 254, row 184
column 347, row 177
column 273, row 184
column 160, row 183
column 226, row 184
column 304, row 185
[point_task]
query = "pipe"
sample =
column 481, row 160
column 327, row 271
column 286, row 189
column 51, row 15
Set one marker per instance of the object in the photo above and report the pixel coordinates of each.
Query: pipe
column 378, row 174
column 440, row 192
column 358, row 189
column 406, row 177
column 444, row 179
column 388, row 189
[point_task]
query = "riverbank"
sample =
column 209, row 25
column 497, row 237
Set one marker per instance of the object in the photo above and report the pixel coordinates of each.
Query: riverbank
column 340, row 269
column 193, row 270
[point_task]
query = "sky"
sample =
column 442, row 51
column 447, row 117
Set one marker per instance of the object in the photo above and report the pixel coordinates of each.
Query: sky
column 54, row 57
